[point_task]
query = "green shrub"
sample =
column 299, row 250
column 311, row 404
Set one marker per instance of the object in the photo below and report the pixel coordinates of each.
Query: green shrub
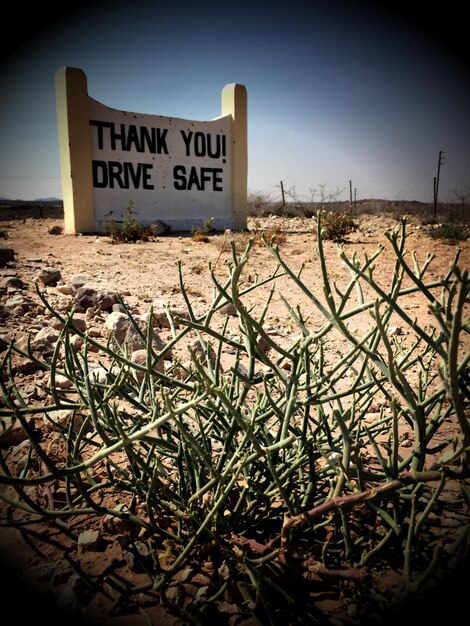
column 450, row 231
column 128, row 230
column 335, row 225
column 280, row 477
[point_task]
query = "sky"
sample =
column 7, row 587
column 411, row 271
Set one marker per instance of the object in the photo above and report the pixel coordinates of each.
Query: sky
column 338, row 90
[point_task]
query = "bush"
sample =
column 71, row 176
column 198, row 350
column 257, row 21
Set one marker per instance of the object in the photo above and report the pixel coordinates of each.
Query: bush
column 128, row 230
column 449, row 231
column 278, row 479
column 336, row 225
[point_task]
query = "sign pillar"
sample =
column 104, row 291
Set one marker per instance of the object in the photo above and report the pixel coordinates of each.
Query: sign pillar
column 75, row 150
column 234, row 103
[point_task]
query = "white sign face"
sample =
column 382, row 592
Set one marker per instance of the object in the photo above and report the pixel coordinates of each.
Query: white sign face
column 164, row 168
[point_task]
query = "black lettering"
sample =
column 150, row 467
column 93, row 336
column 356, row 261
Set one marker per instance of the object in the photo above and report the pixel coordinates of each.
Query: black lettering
column 138, row 138
column 147, row 175
column 115, row 171
column 200, row 144
column 198, row 178
column 100, row 125
column 125, row 175
column 114, row 136
column 132, row 138
column 134, row 174
column 179, row 176
column 217, row 179
column 206, row 176
column 194, row 180
column 148, row 138
column 187, row 140
column 100, row 174
column 214, row 154
column 161, row 140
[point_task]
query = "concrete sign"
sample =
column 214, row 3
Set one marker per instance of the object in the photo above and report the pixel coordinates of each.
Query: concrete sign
column 181, row 172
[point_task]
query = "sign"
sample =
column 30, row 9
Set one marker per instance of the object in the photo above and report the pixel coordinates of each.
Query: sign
column 178, row 171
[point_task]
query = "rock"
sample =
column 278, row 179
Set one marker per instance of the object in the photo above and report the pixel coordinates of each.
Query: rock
column 16, row 302
column 63, row 417
column 12, row 281
column 134, row 341
column 140, row 358
column 160, row 317
column 49, row 334
column 6, row 255
column 62, row 382
column 79, row 280
column 119, row 525
column 44, row 341
column 160, row 228
column 55, row 230
column 116, row 325
column 79, row 322
column 200, row 353
column 76, row 343
column 77, row 584
column 98, row 375
column 100, row 298
column 264, row 346
column 229, row 309
column 90, row 541
column 136, row 554
column 11, row 432
column 67, row 290
column 49, row 275
column 118, row 307
column 174, row 594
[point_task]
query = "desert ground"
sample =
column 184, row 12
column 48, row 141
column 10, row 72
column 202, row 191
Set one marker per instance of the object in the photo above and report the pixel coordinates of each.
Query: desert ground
column 146, row 274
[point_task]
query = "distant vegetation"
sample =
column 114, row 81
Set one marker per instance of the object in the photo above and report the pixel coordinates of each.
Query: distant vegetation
column 261, row 205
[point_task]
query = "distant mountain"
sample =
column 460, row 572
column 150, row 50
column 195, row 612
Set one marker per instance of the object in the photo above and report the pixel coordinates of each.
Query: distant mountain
column 50, row 200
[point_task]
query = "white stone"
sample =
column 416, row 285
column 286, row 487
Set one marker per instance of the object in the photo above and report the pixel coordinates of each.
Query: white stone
column 117, row 325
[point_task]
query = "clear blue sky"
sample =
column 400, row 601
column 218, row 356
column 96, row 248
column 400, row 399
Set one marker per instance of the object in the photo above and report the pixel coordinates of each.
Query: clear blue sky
column 337, row 90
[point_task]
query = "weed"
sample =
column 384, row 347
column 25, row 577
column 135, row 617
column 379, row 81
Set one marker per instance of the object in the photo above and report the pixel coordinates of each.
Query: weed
column 287, row 470
column 450, row 231
column 274, row 236
column 129, row 230
column 201, row 234
column 336, row 225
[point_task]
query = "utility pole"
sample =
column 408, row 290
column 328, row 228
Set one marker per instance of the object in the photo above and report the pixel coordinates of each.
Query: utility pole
column 350, row 197
column 436, row 184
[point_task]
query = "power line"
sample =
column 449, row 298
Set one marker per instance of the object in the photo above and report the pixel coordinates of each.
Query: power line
column 425, row 172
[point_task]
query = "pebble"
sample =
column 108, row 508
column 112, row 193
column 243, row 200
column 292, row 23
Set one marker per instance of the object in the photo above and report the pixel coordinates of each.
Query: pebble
column 90, row 541
column 49, row 275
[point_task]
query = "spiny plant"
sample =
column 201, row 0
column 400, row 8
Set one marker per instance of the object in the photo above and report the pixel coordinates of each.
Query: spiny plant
column 283, row 474
column 450, row 231
column 335, row 225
